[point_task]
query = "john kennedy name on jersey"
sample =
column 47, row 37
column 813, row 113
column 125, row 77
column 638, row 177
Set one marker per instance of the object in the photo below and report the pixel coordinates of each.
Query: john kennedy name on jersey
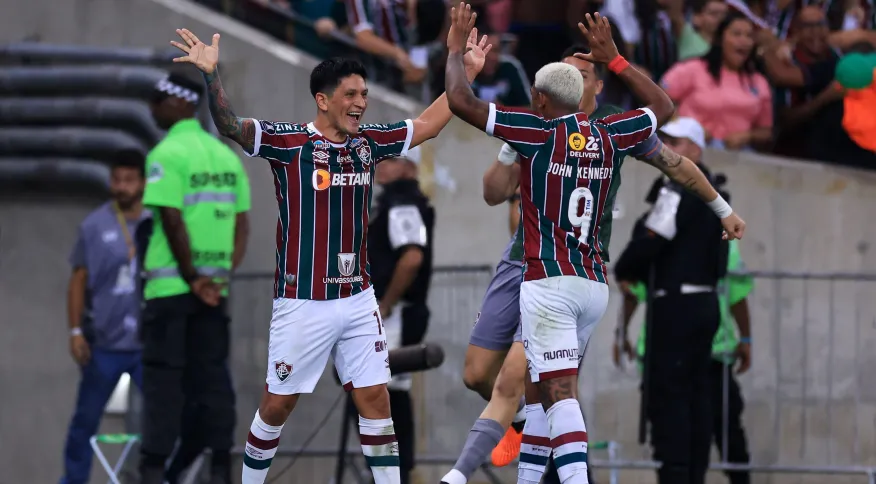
column 591, row 172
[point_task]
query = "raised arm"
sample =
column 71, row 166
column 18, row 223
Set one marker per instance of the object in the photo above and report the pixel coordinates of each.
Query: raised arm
column 687, row 174
column 205, row 58
column 603, row 50
column 241, row 130
column 460, row 97
column 438, row 114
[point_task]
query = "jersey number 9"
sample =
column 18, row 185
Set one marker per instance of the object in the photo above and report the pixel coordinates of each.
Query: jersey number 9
column 583, row 220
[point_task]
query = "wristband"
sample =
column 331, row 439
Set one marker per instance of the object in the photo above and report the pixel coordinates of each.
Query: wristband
column 745, row 339
column 507, row 155
column 618, row 64
column 720, row 207
column 77, row 331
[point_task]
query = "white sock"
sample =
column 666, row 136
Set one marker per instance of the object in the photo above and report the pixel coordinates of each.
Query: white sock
column 454, row 477
column 380, row 448
column 569, row 441
column 261, row 445
column 536, row 447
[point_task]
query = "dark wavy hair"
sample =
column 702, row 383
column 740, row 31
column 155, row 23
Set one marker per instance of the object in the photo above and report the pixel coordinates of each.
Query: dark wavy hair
column 714, row 58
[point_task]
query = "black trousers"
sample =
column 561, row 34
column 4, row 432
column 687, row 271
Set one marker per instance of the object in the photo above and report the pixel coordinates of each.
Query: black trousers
column 737, row 445
column 185, row 376
column 679, row 386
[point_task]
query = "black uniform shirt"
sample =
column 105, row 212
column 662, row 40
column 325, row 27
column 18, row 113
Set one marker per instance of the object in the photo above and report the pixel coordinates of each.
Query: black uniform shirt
column 403, row 217
column 681, row 237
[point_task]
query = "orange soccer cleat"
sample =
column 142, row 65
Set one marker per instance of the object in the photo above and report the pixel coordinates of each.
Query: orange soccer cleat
column 508, row 448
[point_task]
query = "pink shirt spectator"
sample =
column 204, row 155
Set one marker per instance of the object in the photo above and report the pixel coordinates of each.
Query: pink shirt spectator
column 739, row 103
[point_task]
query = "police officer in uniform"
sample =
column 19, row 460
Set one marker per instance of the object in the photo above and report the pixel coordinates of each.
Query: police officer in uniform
column 682, row 254
column 400, row 239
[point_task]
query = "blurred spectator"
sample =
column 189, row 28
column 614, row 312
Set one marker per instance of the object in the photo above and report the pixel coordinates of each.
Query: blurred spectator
column 723, row 91
column 381, row 29
column 103, row 307
column 855, row 73
column 321, row 13
column 430, row 21
column 542, row 29
column 809, row 103
column 503, row 79
column 660, row 23
column 697, row 34
column 499, row 15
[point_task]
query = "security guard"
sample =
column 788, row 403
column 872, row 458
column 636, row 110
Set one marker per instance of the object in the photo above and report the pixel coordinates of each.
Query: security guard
column 199, row 194
column 683, row 255
column 400, row 248
column 728, row 350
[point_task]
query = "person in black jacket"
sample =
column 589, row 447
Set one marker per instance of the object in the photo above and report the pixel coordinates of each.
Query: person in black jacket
column 678, row 248
column 400, row 237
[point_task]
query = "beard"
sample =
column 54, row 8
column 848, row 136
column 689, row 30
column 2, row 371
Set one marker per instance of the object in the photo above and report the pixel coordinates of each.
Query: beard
column 126, row 200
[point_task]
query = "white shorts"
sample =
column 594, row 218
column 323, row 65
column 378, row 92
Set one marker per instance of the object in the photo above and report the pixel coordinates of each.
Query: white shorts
column 305, row 332
column 558, row 315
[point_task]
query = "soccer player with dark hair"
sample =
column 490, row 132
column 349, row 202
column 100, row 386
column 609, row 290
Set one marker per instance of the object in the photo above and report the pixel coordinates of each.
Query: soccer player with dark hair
column 324, row 300
column 567, row 162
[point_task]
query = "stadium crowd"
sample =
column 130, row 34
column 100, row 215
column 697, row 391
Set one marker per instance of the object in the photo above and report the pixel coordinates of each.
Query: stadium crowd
column 759, row 75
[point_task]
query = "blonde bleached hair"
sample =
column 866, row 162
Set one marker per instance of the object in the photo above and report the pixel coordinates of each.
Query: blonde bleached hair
column 561, row 82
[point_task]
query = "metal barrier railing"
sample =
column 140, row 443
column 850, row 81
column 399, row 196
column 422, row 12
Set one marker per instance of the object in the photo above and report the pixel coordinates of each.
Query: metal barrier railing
column 810, row 401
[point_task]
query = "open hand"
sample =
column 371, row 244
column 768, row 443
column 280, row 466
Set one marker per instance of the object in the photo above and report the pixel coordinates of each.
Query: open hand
column 476, row 54
column 598, row 35
column 462, row 21
column 203, row 56
column 734, row 227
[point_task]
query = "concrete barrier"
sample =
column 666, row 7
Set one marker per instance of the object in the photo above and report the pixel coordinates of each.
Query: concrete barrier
column 801, row 216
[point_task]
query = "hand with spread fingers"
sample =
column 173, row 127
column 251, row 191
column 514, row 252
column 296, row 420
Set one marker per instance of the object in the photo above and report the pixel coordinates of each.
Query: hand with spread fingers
column 598, row 35
column 462, row 21
column 476, row 54
column 203, row 56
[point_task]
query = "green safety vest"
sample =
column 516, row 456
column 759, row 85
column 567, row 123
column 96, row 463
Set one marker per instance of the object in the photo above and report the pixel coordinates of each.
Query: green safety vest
column 195, row 173
column 731, row 290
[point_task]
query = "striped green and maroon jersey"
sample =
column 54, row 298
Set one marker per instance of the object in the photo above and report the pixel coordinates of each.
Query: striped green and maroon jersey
column 323, row 191
column 569, row 176
column 388, row 19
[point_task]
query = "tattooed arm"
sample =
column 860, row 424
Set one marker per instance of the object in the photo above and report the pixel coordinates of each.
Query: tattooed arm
column 241, row 130
column 206, row 59
column 682, row 171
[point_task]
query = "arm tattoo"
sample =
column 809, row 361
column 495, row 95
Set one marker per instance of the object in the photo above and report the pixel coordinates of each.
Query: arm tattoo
column 556, row 389
column 666, row 158
column 241, row 130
